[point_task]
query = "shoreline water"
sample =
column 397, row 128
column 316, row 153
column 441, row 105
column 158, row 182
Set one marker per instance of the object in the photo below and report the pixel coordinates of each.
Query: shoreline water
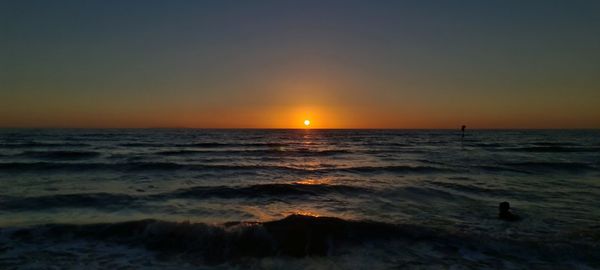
column 297, row 238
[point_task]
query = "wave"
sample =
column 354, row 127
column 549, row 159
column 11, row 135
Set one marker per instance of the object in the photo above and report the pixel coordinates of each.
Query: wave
column 268, row 190
column 51, row 166
column 213, row 144
column 425, row 194
column 396, row 169
column 473, row 189
column 295, row 236
column 202, row 144
column 497, row 168
column 205, row 145
column 110, row 200
column 550, row 167
column 255, row 152
column 486, row 145
column 19, row 167
column 182, row 152
column 139, row 144
column 535, row 167
column 553, row 144
column 134, row 166
column 386, row 144
column 59, row 155
column 40, row 145
column 551, row 149
column 88, row 200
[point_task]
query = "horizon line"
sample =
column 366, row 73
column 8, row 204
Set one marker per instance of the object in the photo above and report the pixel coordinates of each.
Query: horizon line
column 248, row 128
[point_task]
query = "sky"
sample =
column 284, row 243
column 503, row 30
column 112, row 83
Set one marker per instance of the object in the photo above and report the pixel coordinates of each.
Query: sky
column 273, row 64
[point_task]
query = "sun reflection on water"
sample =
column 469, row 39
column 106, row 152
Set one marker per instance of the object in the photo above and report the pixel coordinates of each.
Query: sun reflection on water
column 322, row 181
column 304, row 213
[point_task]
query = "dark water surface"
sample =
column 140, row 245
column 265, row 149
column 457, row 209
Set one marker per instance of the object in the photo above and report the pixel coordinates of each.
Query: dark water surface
column 219, row 199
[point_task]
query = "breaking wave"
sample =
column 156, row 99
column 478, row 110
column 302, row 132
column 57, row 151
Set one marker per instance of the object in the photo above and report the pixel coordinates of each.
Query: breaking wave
column 293, row 236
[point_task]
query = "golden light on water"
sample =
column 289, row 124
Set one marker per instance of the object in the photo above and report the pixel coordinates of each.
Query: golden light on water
column 305, row 213
column 323, row 181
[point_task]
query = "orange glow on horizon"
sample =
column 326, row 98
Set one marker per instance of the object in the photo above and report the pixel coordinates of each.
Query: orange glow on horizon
column 323, row 115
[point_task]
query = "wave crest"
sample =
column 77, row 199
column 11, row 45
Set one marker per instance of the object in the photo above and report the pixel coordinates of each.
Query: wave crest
column 295, row 235
column 111, row 200
column 60, row 155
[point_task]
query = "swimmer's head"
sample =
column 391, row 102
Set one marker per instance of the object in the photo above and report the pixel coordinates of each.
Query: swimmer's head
column 504, row 207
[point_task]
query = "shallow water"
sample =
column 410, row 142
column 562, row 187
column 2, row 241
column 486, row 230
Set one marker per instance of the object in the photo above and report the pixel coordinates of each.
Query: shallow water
column 438, row 191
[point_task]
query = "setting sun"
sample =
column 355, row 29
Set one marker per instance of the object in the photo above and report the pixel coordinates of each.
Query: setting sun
column 307, row 122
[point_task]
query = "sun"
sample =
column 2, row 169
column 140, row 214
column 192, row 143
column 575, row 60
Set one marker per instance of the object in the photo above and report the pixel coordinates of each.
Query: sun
column 306, row 122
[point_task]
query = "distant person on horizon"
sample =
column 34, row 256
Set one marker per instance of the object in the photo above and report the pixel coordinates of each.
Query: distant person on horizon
column 462, row 138
column 505, row 213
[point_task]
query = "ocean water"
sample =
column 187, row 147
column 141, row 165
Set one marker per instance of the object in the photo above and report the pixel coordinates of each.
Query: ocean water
column 298, row 199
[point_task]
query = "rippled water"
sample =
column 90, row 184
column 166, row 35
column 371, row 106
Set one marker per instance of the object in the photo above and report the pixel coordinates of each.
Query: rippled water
column 73, row 194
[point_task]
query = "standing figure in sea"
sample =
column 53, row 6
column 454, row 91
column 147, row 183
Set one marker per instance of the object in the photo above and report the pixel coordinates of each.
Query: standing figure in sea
column 462, row 138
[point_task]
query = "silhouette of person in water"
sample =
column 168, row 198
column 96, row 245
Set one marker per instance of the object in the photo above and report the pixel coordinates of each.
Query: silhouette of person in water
column 462, row 138
column 505, row 213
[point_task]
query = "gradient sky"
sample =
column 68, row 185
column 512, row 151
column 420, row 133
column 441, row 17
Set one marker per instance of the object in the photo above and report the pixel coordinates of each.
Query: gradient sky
column 272, row 64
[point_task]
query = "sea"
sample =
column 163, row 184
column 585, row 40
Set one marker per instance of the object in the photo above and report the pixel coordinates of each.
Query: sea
column 298, row 199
